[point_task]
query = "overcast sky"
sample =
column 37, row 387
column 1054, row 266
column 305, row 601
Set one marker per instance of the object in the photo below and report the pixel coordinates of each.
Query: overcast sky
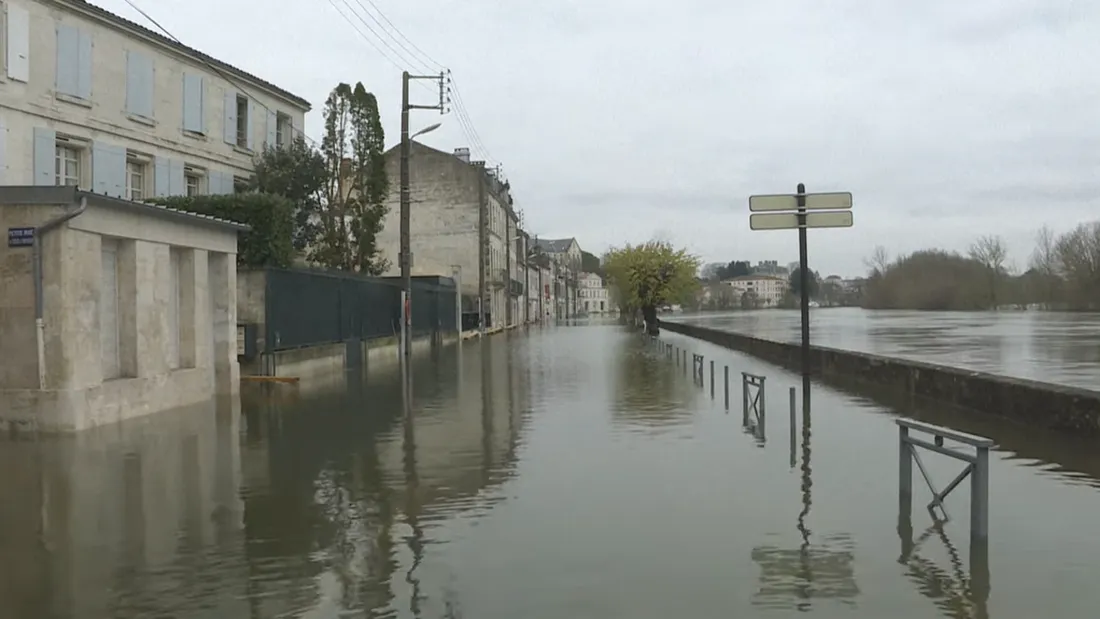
column 622, row 120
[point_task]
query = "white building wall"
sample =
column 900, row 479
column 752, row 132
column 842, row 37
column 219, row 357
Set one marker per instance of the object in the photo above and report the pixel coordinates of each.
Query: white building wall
column 769, row 290
column 115, row 70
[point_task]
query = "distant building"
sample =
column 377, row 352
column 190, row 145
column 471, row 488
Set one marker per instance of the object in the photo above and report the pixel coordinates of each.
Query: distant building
column 767, row 289
column 96, row 101
column 565, row 254
column 770, row 267
column 462, row 217
column 593, row 294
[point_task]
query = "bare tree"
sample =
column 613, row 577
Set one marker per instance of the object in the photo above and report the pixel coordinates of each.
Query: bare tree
column 878, row 261
column 1044, row 262
column 990, row 251
column 1078, row 257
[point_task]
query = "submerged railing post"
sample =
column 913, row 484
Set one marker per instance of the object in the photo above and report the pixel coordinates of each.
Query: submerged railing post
column 712, row 379
column 727, row 382
column 905, row 474
column 977, row 469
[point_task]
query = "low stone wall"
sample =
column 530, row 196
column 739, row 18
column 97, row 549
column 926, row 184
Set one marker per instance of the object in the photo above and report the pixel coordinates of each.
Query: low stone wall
column 1046, row 405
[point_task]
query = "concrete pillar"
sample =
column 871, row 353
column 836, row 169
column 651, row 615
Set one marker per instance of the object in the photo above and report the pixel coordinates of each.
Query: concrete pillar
column 222, row 285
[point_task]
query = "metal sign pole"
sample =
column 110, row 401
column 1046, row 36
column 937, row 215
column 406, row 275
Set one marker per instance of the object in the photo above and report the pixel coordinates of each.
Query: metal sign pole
column 803, row 278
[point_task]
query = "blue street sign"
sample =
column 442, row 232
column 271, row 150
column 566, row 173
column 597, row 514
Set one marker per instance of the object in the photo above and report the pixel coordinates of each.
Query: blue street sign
column 20, row 237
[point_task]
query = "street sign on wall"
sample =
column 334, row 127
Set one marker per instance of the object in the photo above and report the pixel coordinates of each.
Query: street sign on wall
column 20, row 237
column 789, row 221
column 834, row 201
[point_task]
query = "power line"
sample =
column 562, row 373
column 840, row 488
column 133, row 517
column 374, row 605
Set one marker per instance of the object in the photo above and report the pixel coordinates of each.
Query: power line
column 462, row 115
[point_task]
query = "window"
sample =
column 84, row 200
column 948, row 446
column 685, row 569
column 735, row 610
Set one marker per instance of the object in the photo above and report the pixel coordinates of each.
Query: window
column 194, row 183
column 74, row 62
column 242, row 121
column 136, row 178
column 68, row 164
column 283, row 130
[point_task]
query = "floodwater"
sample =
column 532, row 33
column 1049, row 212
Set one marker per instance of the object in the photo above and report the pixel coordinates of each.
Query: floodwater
column 569, row 472
column 1055, row 347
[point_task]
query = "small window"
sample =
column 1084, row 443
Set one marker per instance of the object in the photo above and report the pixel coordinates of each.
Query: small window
column 194, row 184
column 136, row 178
column 242, row 121
column 68, row 165
column 283, row 130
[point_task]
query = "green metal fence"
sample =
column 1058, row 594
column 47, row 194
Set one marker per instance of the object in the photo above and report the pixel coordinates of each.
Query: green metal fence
column 306, row 307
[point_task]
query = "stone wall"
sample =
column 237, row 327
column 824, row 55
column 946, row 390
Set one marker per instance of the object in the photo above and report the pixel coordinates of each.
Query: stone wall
column 1046, row 405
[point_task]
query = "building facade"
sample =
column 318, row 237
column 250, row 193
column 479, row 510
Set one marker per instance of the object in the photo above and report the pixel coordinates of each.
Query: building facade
column 111, row 309
column 96, row 101
column 565, row 255
column 592, row 294
column 758, row 290
column 461, row 217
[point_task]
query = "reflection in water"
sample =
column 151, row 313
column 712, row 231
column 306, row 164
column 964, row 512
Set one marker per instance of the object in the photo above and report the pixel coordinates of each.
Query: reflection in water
column 958, row 595
column 824, row 572
column 650, row 390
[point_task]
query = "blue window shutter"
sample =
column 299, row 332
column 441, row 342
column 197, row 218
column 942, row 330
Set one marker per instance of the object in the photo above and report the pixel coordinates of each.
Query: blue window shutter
column 101, row 175
column 249, row 124
column 139, row 84
column 84, row 65
column 193, row 119
column 160, row 178
column 108, row 169
column 176, row 184
column 272, row 127
column 68, row 53
column 213, row 182
column 118, row 167
column 45, row 156
column 230, row 117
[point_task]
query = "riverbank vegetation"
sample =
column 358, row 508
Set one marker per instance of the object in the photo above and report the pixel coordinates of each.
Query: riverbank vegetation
column 1063, row 272
column 648, row 276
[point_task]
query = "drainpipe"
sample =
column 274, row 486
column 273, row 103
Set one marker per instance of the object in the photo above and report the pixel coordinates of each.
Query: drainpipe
column 39, row 323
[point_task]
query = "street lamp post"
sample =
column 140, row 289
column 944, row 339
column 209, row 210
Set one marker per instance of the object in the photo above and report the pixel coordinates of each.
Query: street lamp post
column 405, row 257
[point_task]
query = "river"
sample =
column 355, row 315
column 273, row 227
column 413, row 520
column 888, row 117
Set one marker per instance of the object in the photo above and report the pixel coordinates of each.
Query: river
column 571, row 472
column 1056, row 347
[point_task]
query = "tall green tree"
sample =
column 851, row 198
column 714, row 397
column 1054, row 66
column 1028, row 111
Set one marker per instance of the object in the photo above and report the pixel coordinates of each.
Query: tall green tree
column 590, row 263
column 796, row 284
column 296, row 172
column 647, row 276
column 356, row 186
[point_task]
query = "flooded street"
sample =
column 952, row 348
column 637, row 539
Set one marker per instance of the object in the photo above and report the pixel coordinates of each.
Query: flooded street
column 1057, row 347
column 572, row 472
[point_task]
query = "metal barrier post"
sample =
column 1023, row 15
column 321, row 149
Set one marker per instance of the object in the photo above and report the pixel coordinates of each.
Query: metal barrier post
column 744, row 399
column 712, row 379
column 727, row 382
column 977, row 469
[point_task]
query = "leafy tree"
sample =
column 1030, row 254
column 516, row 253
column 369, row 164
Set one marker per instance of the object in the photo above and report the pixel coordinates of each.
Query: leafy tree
column 296, row 172
column 750, row 300
column 356, row 186
column 590, row 263
column 796, row 284
column 738, row 268
column 647, row 276
column 268, row 243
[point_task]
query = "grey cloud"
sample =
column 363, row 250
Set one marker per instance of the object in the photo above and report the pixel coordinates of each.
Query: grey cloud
column 619, row 118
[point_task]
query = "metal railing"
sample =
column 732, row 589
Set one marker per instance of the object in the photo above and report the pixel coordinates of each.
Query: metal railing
column 977, row 468
column 753, row 403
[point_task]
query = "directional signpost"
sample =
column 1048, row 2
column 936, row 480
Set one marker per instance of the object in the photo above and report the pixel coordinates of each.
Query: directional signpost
column 801, row 210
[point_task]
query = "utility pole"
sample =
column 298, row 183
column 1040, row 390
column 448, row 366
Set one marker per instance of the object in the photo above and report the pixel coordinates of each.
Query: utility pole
column 405, row 258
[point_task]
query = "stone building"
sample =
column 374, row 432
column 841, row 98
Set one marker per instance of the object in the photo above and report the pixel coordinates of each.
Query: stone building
column 461, row 217
column 592, row 294
column 94, row 100
column 111, row 309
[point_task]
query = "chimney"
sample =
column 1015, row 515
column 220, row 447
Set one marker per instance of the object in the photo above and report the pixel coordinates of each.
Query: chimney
column 480, row 164
column 463, row 154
